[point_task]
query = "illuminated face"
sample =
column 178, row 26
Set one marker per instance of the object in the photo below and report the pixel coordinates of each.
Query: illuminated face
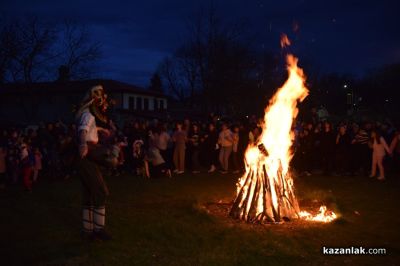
column 100, row 98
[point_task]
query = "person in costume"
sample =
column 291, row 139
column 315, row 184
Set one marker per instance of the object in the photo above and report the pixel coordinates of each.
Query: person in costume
column 93, row 129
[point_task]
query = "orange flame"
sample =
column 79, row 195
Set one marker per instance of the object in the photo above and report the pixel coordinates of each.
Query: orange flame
column 284, row 40
column 323, row 216
column 267, row 181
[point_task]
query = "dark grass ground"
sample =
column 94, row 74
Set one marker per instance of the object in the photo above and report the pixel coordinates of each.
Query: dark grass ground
column 164, row 222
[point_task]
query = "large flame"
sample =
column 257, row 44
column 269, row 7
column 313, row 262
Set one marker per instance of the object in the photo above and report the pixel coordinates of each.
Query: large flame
column 266, row 191
column 277, row 135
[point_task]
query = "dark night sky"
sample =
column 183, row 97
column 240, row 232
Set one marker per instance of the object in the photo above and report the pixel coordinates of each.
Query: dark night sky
column 336, row 36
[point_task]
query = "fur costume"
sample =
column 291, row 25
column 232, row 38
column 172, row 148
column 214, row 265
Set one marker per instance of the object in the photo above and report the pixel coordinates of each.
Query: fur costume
column 91, row 116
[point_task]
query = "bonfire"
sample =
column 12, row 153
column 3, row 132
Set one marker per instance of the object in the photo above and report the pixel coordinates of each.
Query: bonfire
column 265, row 193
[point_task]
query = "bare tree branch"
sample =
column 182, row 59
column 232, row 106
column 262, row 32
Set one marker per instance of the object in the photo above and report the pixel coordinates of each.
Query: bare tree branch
column 168, row 70
column 78, row 50
column 31, row 43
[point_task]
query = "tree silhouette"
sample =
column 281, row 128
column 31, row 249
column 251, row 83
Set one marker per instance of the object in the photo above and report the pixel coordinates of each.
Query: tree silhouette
column 78, row 51
column 32, row 42
column 32, row 50
column 213, row 66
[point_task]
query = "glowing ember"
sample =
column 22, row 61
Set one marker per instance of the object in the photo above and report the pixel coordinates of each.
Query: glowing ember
column 266, row 191
column 284, row 41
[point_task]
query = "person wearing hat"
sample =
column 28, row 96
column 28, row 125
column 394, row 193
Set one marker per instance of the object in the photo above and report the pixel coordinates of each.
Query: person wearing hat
column 92, row 120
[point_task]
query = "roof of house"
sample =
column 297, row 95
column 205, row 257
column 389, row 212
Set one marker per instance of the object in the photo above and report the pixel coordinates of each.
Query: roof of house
column 81, row 86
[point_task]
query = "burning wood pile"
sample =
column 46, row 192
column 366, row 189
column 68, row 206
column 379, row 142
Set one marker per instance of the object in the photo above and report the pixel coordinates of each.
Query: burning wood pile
column 265, row 193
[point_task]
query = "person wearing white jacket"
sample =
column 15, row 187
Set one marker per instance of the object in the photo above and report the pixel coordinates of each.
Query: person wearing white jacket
column 225, row 140
column 379, row 149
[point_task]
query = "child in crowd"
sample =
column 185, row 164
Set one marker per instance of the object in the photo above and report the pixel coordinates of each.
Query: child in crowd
column 117, row 151
column 159, row 167
column 140, row 165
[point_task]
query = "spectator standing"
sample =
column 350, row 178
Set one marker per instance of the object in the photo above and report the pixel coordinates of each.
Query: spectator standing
column 235, row 150
column 118, row 147
column 139, row 164
column 194, row 140
column 379, row 149
column 310, row 149
column 225, row 140
column 304, row 152
column 343, row 141
column 327, row 139
column 179, row 138
column 210, row 140
column 162, row 144
column 26, row 166
column 316, row 153
column 362, row 152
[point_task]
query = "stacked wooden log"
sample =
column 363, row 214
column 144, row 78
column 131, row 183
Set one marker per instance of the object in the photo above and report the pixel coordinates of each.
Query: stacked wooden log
column 263, row 198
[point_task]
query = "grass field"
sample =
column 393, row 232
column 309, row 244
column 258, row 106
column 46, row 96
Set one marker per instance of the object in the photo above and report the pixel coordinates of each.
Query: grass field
column 164, row 222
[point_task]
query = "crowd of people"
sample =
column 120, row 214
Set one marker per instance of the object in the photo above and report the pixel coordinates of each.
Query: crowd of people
column 347, row 149
column 32, row 153
column 152, row 148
